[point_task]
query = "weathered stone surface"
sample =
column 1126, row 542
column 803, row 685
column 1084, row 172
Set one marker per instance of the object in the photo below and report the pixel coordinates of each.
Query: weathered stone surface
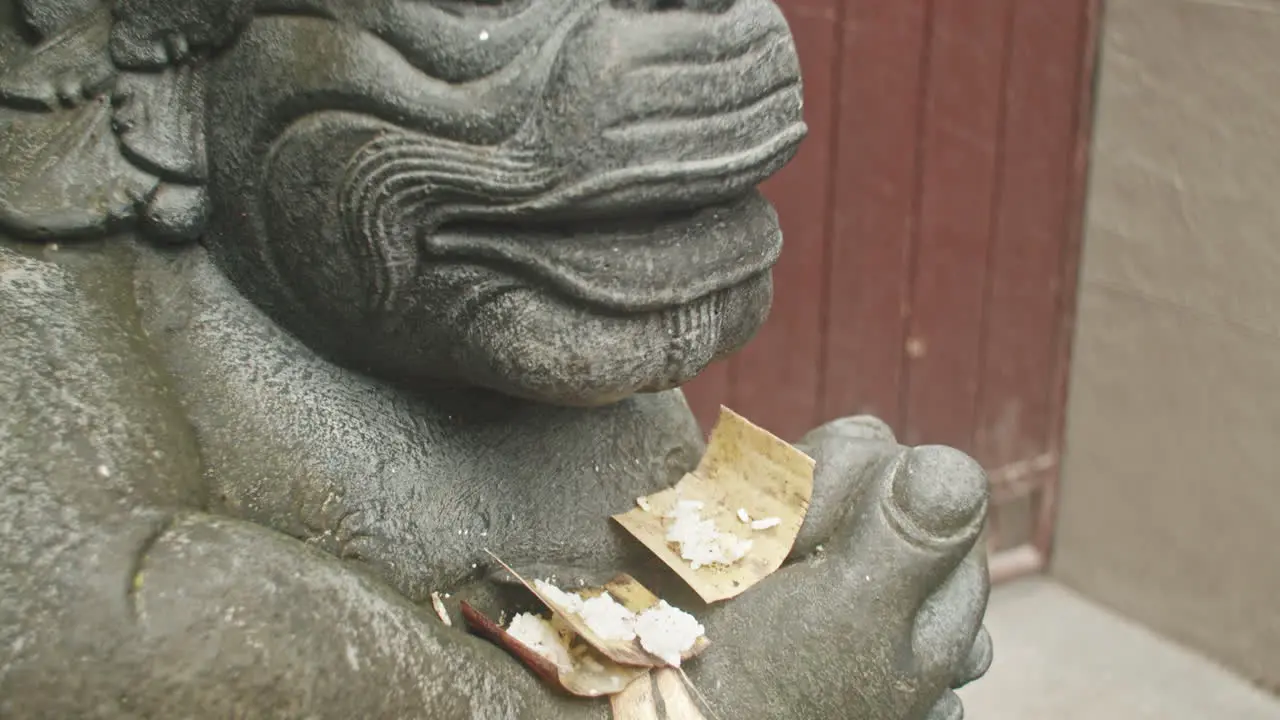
column 452, row 263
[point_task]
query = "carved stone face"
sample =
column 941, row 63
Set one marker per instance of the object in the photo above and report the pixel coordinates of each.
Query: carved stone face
column 550, row 198
column 554, row 199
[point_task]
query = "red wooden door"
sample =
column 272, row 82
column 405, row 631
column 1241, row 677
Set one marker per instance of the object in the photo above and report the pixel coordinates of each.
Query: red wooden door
column 932, row 229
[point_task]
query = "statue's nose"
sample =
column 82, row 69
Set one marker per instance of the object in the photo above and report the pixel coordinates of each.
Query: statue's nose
column 703, row 6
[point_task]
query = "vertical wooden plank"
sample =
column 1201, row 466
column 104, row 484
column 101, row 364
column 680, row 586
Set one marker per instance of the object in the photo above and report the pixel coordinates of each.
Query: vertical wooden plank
column 1046, row 499
column 775, row 379
column 959, row 145
column 1025, row 273
column 875, row 181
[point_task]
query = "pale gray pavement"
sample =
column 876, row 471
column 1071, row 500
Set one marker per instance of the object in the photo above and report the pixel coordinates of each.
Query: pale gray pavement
column 1061, row 657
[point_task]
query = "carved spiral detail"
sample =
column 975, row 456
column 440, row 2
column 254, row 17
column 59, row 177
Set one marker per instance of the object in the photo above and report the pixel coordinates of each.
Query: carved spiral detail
column 400, row 186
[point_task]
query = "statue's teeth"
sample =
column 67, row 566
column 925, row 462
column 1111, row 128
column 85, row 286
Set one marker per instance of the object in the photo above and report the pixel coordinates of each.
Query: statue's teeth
column 694, row 329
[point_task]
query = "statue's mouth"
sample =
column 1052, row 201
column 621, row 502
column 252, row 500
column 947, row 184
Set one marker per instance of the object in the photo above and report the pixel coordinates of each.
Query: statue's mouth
column 630, row 264
column 636, row 240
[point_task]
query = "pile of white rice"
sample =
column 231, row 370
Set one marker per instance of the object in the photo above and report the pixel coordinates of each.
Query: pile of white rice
column 665, row 631
column 699, row 541
column 539, row 636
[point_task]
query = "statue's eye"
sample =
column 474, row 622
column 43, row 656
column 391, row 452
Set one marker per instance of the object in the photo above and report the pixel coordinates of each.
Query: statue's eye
column 483, row 9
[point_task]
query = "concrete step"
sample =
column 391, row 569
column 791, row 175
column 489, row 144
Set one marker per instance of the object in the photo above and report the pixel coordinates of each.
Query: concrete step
column 1060, row 657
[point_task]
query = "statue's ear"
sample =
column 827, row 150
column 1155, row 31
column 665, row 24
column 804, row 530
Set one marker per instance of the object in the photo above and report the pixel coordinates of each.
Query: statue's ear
column 88, row 148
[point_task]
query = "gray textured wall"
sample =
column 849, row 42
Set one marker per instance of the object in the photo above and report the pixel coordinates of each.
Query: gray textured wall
column 1171, row 499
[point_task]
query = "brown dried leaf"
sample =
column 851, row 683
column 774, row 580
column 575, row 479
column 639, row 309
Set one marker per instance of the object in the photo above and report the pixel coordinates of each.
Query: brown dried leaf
column 629, row 593
column 593, row 674
column 636, row 702
column 640, row 700
column 674, row 692
column 745, row 467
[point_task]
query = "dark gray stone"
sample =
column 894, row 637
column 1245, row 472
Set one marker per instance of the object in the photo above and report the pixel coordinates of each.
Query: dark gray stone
column 306, row 303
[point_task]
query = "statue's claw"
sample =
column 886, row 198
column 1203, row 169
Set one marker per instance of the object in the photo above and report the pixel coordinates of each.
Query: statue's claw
column 939, row 498
column 937, row 504
column 978, row 662
column 855, row 427
column 847, row 451
column 177, row 47
column 948, row 707
column 911, row 528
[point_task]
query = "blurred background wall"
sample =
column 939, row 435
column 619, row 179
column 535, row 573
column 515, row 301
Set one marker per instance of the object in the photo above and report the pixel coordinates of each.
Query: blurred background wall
column 1170, row 509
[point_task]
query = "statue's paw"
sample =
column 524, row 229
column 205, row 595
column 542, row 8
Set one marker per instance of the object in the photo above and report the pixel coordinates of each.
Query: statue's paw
column 910, row 530
column 890, row 613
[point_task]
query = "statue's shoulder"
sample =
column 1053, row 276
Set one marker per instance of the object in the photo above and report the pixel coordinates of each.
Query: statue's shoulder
column 84, row 407
column 63, row 304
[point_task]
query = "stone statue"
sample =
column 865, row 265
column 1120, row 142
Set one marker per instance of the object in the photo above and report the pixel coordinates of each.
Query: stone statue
column 305, row 303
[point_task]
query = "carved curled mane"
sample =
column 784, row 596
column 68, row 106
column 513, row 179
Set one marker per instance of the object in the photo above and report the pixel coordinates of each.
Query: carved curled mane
column 91, row 149
column 417, row 181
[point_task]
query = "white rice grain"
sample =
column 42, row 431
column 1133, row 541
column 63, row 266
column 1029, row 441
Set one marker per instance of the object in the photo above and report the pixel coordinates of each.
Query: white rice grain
column 608, row 619
column 699, row 541
column 571, row 602
column 668, row 632
column 539, row 636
